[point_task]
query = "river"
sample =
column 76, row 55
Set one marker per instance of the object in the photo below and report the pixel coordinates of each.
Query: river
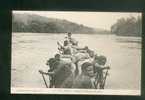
column 31, row 50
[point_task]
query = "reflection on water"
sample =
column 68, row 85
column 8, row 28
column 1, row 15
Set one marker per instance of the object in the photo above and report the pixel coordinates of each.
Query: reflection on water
column 129, row 42
column 134, row 47
column 128, row 39
column 30, row 52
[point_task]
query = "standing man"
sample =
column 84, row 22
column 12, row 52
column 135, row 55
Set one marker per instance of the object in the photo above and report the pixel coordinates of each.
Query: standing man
column 99, row 67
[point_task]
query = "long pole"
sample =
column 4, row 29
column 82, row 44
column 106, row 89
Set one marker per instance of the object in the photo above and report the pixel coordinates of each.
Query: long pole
column 44, row 80
column 105, row 78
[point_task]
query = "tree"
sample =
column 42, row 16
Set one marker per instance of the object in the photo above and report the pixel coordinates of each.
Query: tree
column 127, row 27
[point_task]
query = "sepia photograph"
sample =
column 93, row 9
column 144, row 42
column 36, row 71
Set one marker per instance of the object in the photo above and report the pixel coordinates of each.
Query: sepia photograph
column 76, row 52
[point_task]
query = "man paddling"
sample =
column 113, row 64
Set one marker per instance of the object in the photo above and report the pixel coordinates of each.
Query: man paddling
column 59, row 71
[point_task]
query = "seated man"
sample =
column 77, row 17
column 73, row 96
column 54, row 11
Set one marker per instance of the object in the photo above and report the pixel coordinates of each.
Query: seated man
column 82, row 57
column 71, row 40
column 82, row 53
column 84, row 79
column 67, row 49
column 73, row 43
column 89, row 51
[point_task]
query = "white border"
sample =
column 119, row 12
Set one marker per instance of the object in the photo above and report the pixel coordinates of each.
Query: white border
column 74, row 91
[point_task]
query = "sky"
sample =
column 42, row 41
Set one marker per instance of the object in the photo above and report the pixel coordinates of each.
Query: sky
column 103, row 20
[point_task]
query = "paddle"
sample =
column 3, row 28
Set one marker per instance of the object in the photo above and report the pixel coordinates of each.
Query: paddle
column 104, row 82
column 43, row 78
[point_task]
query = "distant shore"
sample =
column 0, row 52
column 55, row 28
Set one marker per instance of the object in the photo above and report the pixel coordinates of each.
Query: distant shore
column 78, row 33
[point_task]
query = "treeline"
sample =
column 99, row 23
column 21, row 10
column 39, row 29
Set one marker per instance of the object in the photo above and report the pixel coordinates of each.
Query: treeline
column 127, row 27
column 40, row 24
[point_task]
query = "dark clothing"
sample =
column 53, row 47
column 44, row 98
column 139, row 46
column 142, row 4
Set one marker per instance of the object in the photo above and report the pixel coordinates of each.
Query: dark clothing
column 68, row 82
column 51, row 64
column 67, row 51
column 72, row 41
column 83, row 81
column 98, row 69
column 61, row 74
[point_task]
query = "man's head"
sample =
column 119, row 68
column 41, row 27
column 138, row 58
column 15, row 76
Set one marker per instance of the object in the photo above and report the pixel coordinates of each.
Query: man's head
column 91, row 53
column 50, row 62
column 102, row 60
column 69, row 34
column 87, row 69
column 57, row 56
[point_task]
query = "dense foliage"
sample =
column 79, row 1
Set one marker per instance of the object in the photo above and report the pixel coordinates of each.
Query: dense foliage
column 127, row 27
column 39, row 24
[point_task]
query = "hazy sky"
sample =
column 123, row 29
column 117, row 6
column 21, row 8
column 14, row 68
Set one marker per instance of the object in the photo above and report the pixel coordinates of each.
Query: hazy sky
column 92, row 19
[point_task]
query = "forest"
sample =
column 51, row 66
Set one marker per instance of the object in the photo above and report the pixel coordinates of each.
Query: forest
column 40, row 24
column 130, row 26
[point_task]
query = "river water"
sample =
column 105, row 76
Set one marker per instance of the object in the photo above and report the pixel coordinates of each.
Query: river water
column 31, row 50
